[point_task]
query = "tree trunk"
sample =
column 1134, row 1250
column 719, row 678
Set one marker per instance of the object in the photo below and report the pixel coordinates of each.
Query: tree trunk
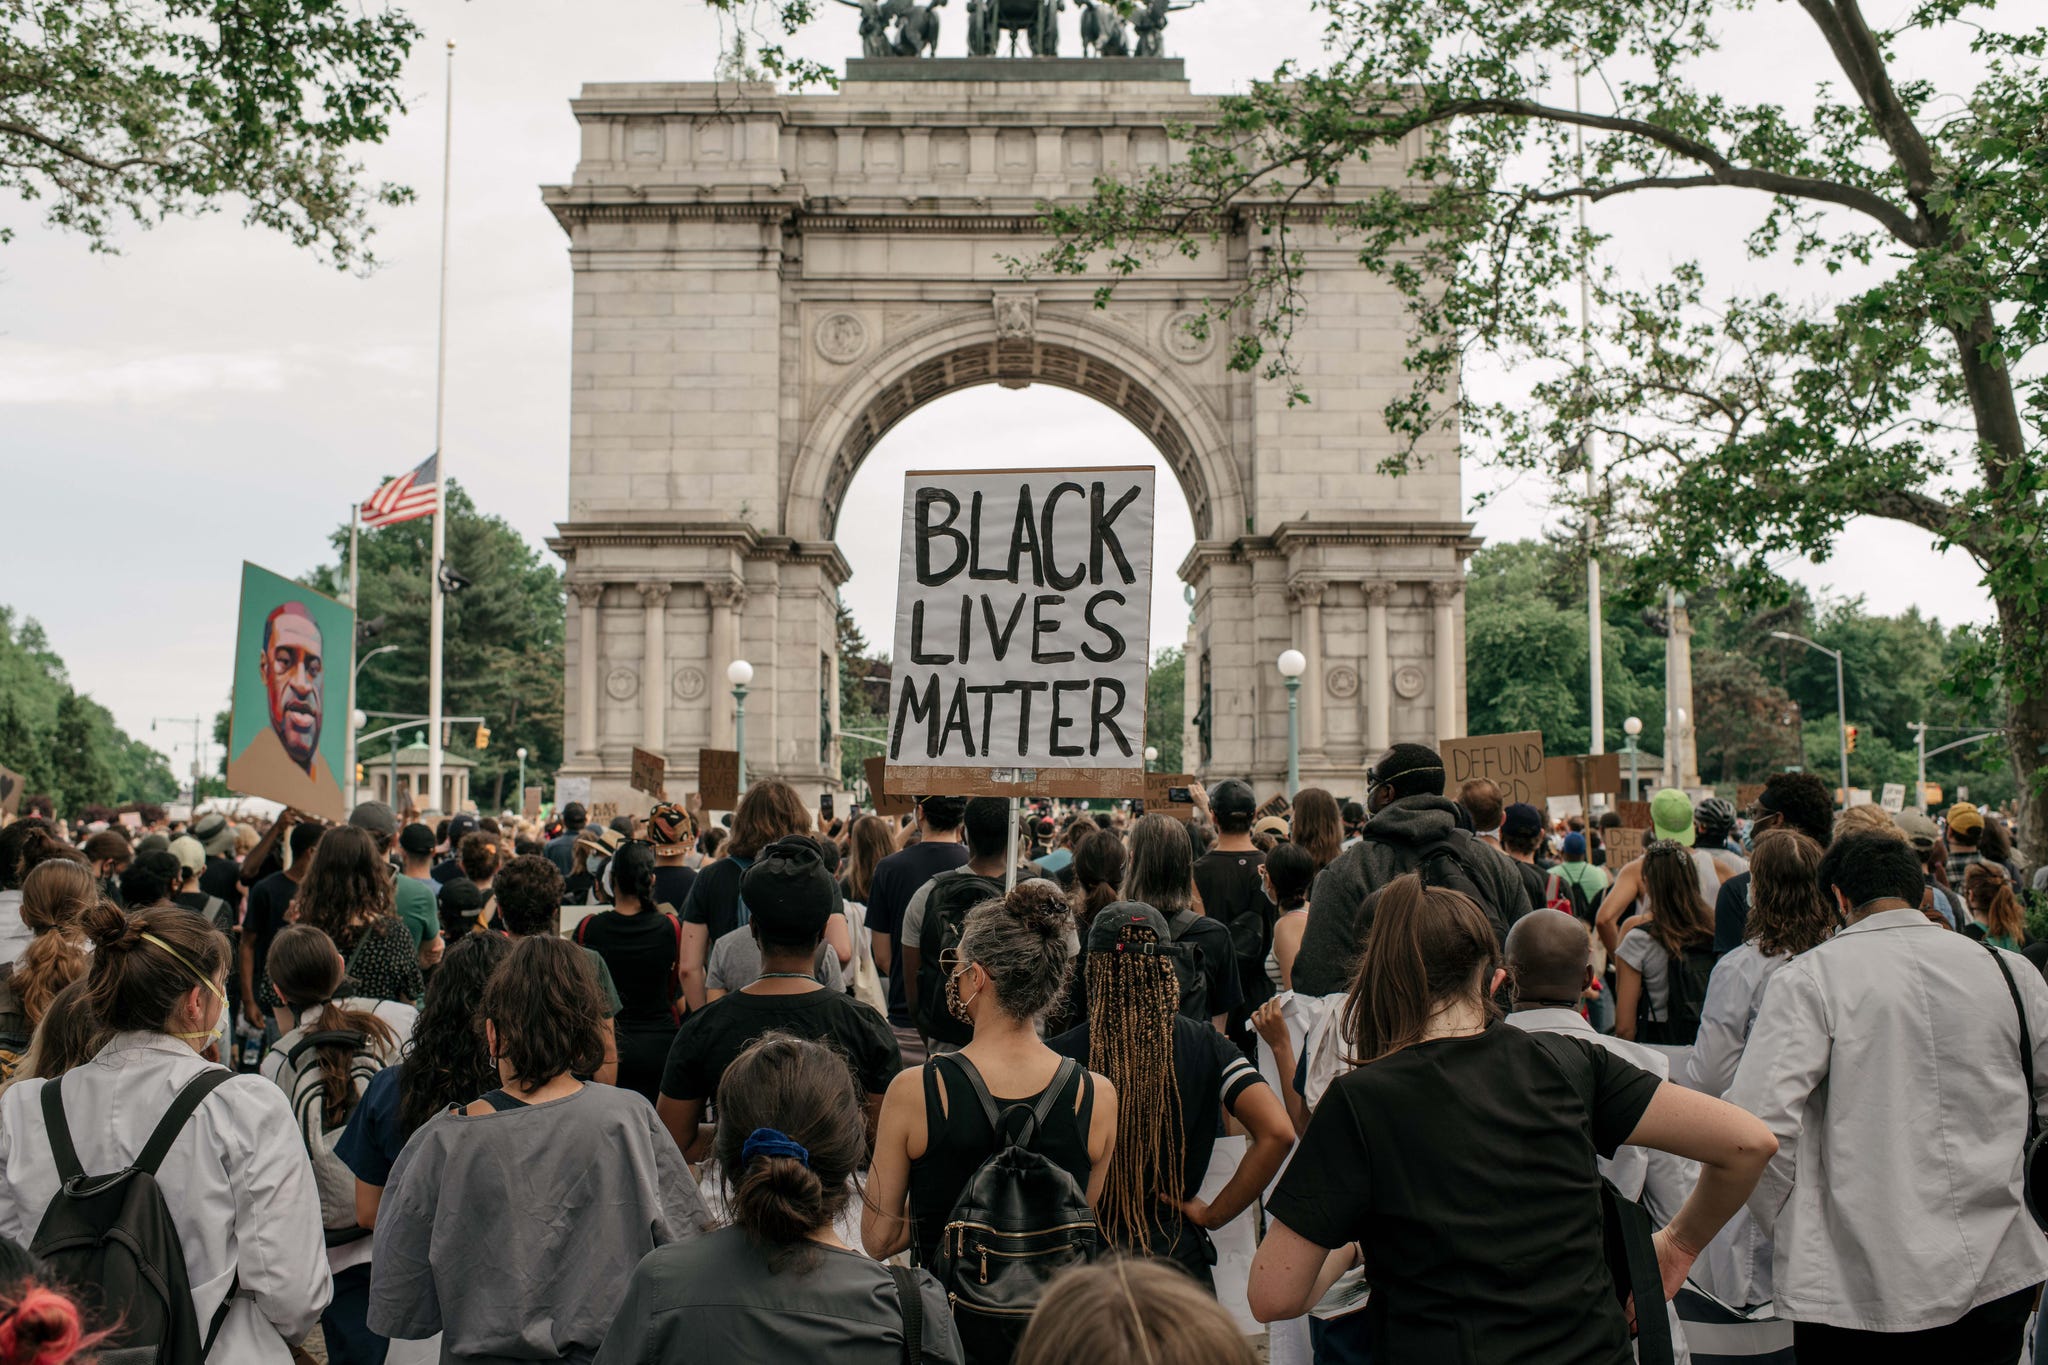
column 2026, row 721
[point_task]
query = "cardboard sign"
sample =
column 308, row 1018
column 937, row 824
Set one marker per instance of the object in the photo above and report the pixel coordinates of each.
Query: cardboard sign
column 1581, row 775
column 1023, row 632
column 530, row 808
column 604, row 812
column 1624, row 846
column 1634, row 814
column 288, row 718
column 718, row 778
column 10, row 792
column 1157, row 798
column 1894, row 797
column 1747, row 795
column 1931, row 794
column 876, row 770
column 1514, row 763
column 649, row 771
column 131, row 819
column 575, row 789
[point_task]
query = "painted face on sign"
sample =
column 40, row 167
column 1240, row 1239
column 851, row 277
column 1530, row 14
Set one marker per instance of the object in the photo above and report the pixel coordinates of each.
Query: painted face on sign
column 294, row 677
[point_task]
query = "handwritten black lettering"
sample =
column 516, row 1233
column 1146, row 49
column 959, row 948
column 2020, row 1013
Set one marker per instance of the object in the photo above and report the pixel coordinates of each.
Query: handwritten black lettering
column 1060, row 722
column 1041, row 627
column 1053, row 576
column 1117, row 645
column 1102, row 533
column 929, row 530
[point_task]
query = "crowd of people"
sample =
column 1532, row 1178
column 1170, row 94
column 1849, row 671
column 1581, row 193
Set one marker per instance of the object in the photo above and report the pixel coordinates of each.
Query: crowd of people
column 1425, row 1076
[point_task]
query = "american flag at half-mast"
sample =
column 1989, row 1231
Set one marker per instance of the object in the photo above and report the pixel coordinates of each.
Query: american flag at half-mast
column 405, row 497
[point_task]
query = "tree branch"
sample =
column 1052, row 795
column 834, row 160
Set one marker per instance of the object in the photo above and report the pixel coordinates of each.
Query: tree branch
column 1897, row 221
column 78, row 154
column 1856, row 51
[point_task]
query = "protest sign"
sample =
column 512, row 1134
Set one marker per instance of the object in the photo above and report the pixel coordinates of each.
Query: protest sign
column 649, row 771
column 1023, row 633
column 280, row 744
column 531, row 807
column 1624, row 846
column 885, row 802
column 1634, row 814
column 10, row 793
column 1170, row 794
column 718, row 778
column 1747, row 795
column 1894, row 797
column 131, row 819
column 1581, row 776
column 575, row 789
column 603, row 813
column 1513, row 762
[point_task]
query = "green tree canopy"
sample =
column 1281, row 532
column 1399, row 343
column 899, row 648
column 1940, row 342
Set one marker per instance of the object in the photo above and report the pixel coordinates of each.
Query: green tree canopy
column 66, row 745
column 139, row 110
column 1744, row 426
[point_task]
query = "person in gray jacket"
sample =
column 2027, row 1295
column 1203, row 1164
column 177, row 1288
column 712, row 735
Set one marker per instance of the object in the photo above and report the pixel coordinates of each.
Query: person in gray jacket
column 1887, row 1063
column 1411, row 823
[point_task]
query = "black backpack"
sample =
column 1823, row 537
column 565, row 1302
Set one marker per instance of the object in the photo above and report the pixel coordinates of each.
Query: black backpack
column 1685, row 998
column 111, row 1241
column 1020, row 1220
column 1192, row 965
column 1624, row 1225
column 1441, row 863
column 945, row 911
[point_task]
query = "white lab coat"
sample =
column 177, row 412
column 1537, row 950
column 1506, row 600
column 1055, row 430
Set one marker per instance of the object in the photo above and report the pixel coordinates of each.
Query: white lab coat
column 237, row 1182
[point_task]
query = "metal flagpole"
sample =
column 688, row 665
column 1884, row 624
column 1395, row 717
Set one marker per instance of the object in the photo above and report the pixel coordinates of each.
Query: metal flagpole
column 1010, row 868
column 1596, row 646
column 354, row 605
column 438, row 597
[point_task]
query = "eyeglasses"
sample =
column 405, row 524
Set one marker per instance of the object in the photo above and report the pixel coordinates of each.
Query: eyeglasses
column 949, row 962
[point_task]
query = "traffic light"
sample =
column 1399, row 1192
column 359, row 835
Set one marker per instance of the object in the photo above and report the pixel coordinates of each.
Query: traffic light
column 359, row 774
column 483, row 737
column 1851, row 733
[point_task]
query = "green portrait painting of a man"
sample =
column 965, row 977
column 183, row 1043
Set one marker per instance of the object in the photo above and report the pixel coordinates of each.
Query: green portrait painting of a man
column 282, row 731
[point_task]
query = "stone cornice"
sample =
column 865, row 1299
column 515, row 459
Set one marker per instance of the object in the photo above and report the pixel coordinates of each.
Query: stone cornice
column 1456, row 535
column 749, row 542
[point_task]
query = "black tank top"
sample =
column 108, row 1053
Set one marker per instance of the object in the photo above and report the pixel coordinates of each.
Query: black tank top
column 957, row 1142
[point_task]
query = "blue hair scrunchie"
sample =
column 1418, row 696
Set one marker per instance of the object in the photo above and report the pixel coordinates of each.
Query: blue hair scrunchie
column 771, row 1142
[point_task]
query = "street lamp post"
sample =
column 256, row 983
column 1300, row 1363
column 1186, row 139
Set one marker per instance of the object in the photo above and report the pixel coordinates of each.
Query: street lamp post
column 1630, row 728
column 349, row 759
column 522, row 778
column 1151, row 757
column 1841, row 704
column 739, row 673
column 1293, row 663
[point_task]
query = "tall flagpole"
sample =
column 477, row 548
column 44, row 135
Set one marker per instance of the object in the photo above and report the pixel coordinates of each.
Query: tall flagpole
column 355, row 605
column 435, row 629
column 1597, row 708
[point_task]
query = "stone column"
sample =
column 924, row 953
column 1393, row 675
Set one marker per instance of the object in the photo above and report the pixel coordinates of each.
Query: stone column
column 654, row 669
column 588, row 595
column 1379, row 720
column 1308, row 596
column 1442, row 596
column 727, row 597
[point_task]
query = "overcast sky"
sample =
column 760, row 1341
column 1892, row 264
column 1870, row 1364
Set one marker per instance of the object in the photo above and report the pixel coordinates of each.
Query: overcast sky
column 212, row 395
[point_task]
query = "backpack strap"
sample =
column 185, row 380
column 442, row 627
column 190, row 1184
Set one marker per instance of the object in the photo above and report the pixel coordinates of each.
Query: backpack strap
column 2026, row 1043
column 581, row 926
column 68, row 1168
column 182, row 1108
column 349, row 1038
column 910, row 1298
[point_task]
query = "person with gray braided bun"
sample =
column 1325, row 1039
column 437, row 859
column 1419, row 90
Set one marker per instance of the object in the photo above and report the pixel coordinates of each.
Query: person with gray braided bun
column 781, row 1283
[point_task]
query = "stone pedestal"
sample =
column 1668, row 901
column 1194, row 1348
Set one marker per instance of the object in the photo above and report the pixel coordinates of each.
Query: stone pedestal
column 766, row 283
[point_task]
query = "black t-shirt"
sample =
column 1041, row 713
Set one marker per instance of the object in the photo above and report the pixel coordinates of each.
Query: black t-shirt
column 897, row 878
column 1233, row 896
column 1209, row 1073
column 1464, row 1169
column 268, row 901
column 672, row 886
column 640, row 950
column 1731, row 913
column 1219, row 961
column 447, row 870
column 222, row 878
column 714, row 899
column 1534, row 882
column 712, row 1037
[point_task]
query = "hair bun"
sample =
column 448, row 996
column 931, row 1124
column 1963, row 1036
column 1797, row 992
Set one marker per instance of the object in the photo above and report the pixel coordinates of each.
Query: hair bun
column 1040, row 906
column 779, row 1200
column 109, row 927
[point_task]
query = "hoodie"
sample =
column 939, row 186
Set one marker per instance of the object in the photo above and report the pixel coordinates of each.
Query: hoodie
column 1390, row 846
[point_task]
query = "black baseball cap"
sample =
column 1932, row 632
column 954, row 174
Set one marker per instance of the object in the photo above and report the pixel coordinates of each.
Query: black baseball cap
column 1121, row 915
column 460, row 825
column 788, row 892
column 1232, row 796
column 417, row 840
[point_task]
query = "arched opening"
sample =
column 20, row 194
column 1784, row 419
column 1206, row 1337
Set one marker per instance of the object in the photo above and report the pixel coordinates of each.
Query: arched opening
column 988, row 426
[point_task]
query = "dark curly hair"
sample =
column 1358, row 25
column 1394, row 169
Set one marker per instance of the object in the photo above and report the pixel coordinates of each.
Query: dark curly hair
column 544, row 1006
column 446, row 1062
column 348, row 888
column 529, row 895
column 1806, row 802
column 1020, row 940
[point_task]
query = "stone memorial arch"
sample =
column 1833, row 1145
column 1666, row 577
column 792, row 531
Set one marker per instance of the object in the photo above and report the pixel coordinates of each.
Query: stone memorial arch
column 766, row 283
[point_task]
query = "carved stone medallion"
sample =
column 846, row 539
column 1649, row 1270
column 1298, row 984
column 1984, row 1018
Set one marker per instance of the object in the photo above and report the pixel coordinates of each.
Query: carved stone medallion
column 841, row 337
column 1342, row 682
column 1409, row 682
column 1184, row 344
column 621, row 683
column 689, row 684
